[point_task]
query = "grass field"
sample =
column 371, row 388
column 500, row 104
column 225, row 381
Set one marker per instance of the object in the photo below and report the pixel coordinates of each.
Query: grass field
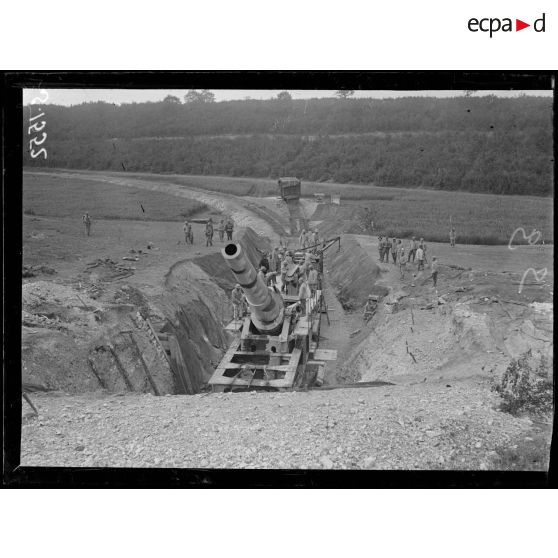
column 402, row 212
column 52, row 197
column 477, row 218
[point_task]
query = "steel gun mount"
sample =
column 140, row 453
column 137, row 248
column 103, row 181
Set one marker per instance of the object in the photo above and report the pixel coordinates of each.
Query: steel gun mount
column 267, row 306
column 273, row 349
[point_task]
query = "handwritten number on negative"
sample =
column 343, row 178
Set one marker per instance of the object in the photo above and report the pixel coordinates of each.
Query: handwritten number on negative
column 41, row 151
column 36, row 141
column 37, row 127
column 37, row 100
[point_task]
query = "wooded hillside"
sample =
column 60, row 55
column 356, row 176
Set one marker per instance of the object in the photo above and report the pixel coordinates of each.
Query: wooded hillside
column 480, row 144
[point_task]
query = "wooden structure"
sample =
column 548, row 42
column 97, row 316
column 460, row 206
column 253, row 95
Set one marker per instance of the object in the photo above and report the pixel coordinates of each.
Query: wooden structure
column 289, row 188
column 168, row 347
column 284, row 361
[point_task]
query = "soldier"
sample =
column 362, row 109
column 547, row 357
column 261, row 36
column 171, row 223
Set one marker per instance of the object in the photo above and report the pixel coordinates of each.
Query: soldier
column 229, row 227
column 291, row 277
column 221, row 229
column 303, row 294
column 209, row 233
column 380, row 247
column 287, row 260
column 87, row 221
column 387, row 248
column 278, row 257
column 261, row 273
column 270, row 279
column 273, row 260
column 412, row 249
column 279, row 261
column 394, row 248
column 402, row 262
column 422, row 245
column 452, row 237
column 264, row 260
column 187, row 228
column 312, row 279
column 315, row 237
column 420, row 258
column 237, row 298
column 369, row 309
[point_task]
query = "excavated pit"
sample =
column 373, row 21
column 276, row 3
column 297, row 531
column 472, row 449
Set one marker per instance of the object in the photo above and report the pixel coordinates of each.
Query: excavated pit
column 75, row 340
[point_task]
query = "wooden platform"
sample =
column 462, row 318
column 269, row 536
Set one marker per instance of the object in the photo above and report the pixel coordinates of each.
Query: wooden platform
column 234, row 325
column 281, row 361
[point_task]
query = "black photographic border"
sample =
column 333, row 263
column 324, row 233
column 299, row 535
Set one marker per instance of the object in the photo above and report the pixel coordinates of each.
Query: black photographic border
column 12, row 83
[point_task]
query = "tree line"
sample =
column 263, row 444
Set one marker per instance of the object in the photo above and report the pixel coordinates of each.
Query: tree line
column 480, row 144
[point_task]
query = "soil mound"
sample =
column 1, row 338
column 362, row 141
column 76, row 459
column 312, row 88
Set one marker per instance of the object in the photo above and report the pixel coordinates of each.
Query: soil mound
column 458, row 335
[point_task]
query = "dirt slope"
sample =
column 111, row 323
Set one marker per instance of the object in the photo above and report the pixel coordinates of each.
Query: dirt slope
column 353, row 274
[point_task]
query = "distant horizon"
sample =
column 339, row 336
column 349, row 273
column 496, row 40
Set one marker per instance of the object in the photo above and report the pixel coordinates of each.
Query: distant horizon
column 72, row 97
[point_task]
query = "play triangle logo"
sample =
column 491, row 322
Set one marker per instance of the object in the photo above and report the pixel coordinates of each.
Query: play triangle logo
column 492, row 25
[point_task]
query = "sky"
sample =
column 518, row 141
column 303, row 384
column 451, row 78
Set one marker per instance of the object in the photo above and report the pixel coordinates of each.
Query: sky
column 76, row 96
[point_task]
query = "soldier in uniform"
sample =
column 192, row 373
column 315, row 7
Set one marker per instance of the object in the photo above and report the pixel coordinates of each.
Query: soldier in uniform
column 387, row 248
column 209, row 233
column 312, row 279
column 221, row 229
column 87, row 222
column 370, row 308
column 188, row 236
column 452, row 237
column 237, row 298
column 402, row 262
column 412, row 249
column 229, row 227
column 394, row 248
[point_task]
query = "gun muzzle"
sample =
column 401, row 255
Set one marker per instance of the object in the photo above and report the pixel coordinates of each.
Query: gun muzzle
column 267, row 306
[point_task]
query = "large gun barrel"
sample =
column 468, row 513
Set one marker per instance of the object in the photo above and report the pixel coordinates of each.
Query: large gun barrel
column 267, row 306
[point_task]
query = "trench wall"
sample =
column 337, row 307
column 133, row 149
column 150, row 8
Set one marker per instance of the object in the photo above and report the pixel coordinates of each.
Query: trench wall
column 353, row 274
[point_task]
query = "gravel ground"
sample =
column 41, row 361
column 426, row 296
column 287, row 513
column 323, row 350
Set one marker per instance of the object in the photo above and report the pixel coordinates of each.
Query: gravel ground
column 424, row 426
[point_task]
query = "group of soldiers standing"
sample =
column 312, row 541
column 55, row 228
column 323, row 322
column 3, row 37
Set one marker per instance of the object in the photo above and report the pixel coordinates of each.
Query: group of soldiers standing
column 225, row 226
column 308, row 238
column 417, row 251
